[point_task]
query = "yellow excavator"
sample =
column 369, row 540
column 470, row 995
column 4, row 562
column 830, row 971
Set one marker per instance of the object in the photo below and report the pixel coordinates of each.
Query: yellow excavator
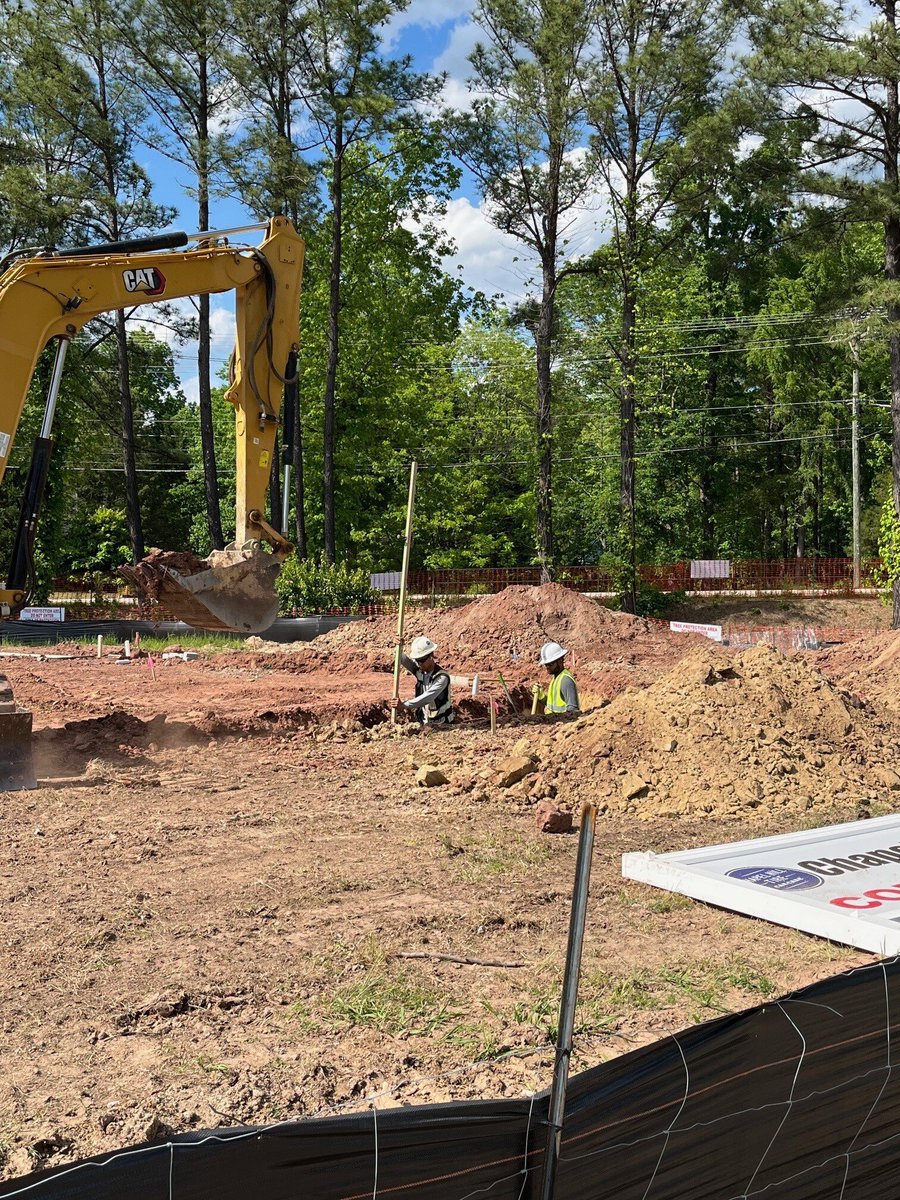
column 49, row 296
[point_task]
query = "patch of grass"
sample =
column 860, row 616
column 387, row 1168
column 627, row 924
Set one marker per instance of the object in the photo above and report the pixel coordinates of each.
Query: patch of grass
column 211, row 643
column 392, row 1002
column 480, row 859
column 671, row 902
column 480, row 1042
column 748, row 979
column 209, row 1066
column 301, row 1017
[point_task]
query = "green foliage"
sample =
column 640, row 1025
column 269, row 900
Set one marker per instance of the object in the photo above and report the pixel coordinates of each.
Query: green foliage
column 315, row 585
column 106, row 540
column 888, row 546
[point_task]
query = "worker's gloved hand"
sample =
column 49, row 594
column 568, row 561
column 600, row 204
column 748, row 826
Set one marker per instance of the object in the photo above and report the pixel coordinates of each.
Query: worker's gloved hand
column 396, row 702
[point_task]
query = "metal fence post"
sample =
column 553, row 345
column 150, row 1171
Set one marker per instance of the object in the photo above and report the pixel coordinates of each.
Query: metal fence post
column 566, row 1029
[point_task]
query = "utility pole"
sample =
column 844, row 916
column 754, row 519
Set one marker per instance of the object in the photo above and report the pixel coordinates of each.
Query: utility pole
column 854, row 441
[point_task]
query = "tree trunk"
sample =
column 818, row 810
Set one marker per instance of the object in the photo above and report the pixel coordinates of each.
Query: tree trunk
column 892, row 274
column 132, row 496
column 275, row 488
column 126, row 400
column 708, row 544
column 302, row 550
column 334, row 304
column 204, row 386
column 544, row 423
column 626, row 450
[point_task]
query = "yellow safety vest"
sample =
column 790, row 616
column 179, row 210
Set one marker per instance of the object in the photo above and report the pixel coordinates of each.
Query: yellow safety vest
column 554, row 702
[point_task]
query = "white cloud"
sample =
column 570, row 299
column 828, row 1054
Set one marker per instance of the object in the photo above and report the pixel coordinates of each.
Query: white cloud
column 422, row 14
column 184, row 353
column 454, row 61
column 191, row 389
column 496, row 263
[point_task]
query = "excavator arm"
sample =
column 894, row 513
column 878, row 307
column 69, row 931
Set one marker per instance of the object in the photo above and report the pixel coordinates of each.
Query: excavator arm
column 52, row 296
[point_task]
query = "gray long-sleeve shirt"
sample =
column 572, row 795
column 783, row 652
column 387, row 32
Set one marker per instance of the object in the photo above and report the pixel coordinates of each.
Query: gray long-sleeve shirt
column 569, row 692
column 433, row 683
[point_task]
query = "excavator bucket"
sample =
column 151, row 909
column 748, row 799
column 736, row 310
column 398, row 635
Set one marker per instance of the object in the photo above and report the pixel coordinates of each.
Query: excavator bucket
column 231, row 591
column 16, row 765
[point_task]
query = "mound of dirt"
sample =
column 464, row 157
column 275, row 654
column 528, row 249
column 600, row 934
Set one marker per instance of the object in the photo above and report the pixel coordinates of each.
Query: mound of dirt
column 506, row 631
column 728, row 734
column 867, row 666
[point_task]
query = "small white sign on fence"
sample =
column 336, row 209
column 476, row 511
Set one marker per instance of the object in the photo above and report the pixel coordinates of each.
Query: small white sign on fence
column 42, row 614
column 386, row 581
column 841, row 882
column 711, row 568
column 711, row 631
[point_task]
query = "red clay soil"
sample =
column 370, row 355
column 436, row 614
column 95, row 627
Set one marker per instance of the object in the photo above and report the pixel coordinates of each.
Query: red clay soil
column 145, row 574
column 93, row 708
column 96, row 707
column 504, row 632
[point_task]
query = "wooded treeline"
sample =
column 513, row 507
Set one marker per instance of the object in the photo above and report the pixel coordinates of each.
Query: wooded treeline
column 672, row 383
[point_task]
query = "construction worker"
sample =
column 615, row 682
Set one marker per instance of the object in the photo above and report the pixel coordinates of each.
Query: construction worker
column 431, row 704
column 562, row 692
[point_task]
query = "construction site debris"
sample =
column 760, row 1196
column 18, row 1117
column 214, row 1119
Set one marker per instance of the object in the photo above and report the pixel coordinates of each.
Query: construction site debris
column 515, row 769
column 729, row 734
column 549, row 818
column 430, row 777
column 147, row 575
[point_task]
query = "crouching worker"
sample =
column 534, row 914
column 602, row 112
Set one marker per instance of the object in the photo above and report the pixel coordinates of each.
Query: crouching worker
column 431, row 704
column 562, row 692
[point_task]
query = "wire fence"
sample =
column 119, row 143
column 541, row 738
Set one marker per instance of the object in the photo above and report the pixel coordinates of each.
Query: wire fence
column 104, row 598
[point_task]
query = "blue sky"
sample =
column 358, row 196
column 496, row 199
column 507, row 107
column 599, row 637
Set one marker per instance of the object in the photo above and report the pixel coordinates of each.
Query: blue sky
column 439, row 36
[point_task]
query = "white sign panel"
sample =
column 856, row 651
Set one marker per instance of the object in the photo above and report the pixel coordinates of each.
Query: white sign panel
column 841, row 882
column 386, row 581
column 710, row 631
column 42, row 614
column 711, row 568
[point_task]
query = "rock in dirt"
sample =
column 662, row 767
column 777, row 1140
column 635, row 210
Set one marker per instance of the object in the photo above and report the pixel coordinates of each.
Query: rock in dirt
column 549, row 818
column 515, row 769
column 633, row 786
column 430, row 777
column 524, row 748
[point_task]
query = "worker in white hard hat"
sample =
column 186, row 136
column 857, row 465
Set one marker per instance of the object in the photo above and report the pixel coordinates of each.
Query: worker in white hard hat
column 431, row 704
column 562, row 691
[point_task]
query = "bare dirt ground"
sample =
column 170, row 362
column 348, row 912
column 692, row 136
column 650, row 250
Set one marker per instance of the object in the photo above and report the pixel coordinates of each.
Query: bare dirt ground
column 229, row 901
column 832, row 612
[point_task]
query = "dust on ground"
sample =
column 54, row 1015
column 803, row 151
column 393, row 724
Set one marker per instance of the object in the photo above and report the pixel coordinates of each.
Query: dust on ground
column 229, row 901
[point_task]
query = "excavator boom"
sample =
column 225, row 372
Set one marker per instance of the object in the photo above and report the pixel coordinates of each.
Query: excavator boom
column 53, row 296
column 50, row 297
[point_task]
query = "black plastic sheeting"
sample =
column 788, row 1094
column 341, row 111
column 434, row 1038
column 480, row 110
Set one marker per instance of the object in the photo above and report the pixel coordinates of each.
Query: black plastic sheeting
column 285, row 629
column 795, row 1100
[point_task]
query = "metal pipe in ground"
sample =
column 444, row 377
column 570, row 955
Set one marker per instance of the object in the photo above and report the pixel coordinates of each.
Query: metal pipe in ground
column 404, row 576
column 569, row 1000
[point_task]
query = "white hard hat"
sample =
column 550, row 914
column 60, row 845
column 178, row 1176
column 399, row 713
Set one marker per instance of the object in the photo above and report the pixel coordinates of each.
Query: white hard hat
column 550, row 652
column 421, row 648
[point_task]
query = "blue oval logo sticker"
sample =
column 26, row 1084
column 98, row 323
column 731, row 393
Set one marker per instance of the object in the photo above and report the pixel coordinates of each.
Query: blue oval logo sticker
column 783, row 879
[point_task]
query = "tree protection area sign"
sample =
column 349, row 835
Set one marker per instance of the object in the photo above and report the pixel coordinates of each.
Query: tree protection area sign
column 841, row 882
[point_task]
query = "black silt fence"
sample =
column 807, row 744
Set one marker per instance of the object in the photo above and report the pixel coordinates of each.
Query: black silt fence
column 798, row 1099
